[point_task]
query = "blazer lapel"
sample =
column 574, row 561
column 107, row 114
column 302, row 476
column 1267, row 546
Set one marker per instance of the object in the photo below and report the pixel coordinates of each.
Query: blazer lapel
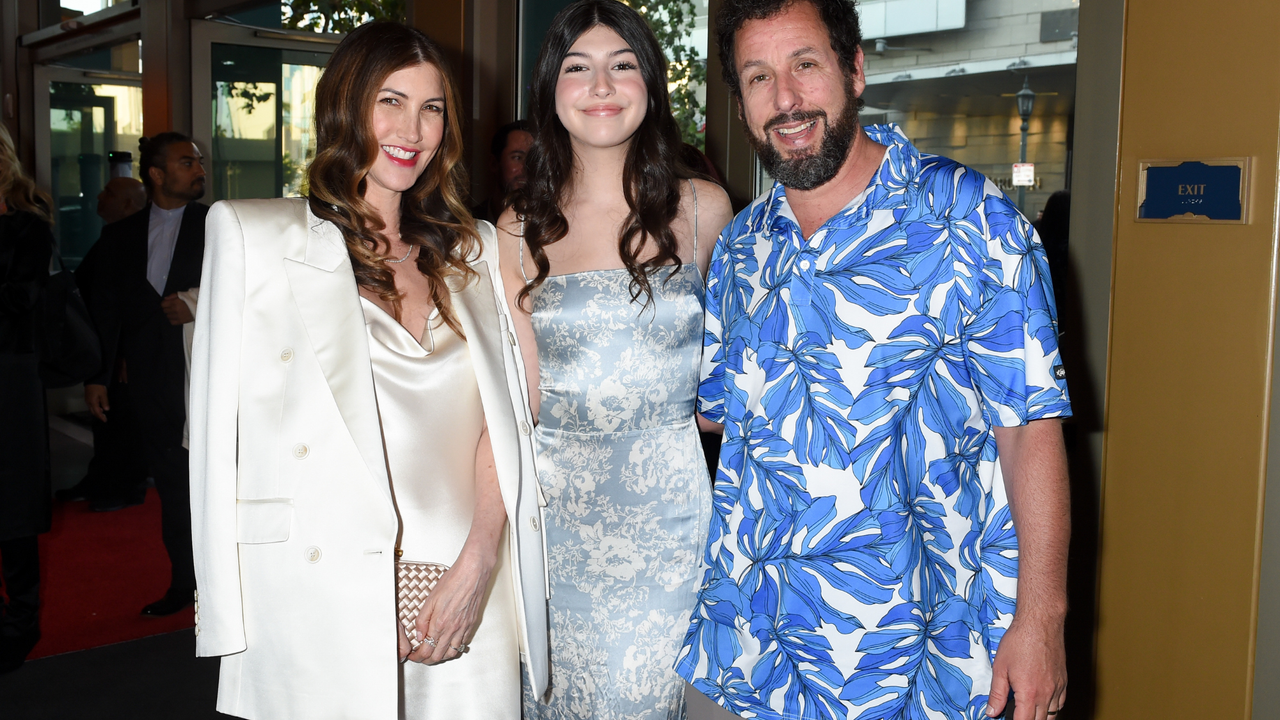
column 477, row 312
column 324, row 287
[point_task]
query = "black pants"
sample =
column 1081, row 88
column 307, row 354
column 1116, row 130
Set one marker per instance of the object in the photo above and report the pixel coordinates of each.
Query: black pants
column 118, row 468
column 173, row 485
column 20, row 565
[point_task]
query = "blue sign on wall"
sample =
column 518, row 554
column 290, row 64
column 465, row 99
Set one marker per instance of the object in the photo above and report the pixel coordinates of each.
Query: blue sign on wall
column 1193, row 191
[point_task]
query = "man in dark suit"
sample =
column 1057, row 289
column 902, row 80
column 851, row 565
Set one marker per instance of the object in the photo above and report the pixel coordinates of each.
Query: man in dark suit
column 147, row 259
column 117, row 475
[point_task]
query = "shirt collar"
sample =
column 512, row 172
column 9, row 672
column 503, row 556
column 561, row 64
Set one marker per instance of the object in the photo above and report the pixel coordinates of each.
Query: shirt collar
column 167, row 215
column 898, row 171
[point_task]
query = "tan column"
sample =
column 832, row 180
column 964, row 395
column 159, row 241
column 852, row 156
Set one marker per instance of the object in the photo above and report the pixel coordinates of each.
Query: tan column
column 1188, row 386
column 166, row 67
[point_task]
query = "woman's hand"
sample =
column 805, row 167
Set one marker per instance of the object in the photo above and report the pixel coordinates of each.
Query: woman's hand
column 450, row 614
column 447, row 621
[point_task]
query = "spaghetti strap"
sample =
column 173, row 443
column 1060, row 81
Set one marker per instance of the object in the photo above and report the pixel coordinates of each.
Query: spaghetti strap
column 526, row 277
column 693, row 188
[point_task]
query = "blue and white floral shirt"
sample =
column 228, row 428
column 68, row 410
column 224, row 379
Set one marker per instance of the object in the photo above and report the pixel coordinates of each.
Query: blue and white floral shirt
column 862, row 562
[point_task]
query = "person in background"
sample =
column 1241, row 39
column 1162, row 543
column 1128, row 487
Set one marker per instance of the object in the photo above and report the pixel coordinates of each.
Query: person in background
column 117, row 474
column 508, row 149
column 120, row 198
column 892, row 507
column 146, row 260
column 603, row 255
column 26, row 246
column 1054, row 228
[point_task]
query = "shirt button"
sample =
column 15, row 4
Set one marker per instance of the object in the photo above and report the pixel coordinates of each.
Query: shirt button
column 533, row 523
column 512, row 337
column 312, row 554
column 524, row 428
column 805, row 264
column 286, row 355
column 300, row 450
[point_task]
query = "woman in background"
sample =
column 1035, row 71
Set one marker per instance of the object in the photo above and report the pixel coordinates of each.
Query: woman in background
column 603, row 258
column 26, row 245
column 353, row 402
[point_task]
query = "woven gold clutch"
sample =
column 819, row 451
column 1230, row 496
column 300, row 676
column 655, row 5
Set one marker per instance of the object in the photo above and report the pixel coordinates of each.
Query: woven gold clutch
column 414, row 582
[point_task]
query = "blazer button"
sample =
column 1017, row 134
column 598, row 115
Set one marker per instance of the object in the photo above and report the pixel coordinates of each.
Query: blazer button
column 312, row 554
column 533, row 523
column 300, row 450
column 286, row 355
column 524, row 428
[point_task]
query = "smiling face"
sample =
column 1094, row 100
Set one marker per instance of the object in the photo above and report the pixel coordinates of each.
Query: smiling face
column 799, row 105
column 600, row 95
column 408, row 122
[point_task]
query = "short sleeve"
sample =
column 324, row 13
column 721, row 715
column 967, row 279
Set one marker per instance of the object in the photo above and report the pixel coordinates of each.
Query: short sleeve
column 711, row 387
column 1011, row 341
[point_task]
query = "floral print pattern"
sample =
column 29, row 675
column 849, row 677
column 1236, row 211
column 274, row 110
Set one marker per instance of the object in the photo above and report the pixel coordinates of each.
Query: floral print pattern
column 862, row 560
column 628, row 495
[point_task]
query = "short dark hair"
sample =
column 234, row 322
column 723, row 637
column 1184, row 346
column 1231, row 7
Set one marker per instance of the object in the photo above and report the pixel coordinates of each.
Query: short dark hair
column 153, row 152
column 840, row 17
column 499, row 142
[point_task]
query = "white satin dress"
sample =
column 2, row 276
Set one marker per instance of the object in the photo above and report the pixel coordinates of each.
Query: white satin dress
column 429, row 406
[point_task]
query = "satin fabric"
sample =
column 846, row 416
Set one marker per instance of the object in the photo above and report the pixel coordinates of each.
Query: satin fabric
column 292, row 515
column 432, row 419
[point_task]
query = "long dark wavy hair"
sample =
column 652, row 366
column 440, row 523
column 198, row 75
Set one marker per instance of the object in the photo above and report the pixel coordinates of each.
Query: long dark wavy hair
column 652, row 173
column 433, row 215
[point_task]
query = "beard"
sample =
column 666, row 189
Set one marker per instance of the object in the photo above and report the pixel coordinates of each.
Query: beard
column 192, row 192
column 810, row 169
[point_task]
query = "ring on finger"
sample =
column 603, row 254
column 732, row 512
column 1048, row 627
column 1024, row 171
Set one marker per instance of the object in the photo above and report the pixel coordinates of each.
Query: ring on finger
column 461, row 649
column 429, row 640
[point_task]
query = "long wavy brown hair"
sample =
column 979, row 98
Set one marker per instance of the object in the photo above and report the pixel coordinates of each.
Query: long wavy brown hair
column 17, row 189
column 433, row 215
column 652, row 174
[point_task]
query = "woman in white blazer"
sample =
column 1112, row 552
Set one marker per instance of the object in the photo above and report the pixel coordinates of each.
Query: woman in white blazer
column 355, row 393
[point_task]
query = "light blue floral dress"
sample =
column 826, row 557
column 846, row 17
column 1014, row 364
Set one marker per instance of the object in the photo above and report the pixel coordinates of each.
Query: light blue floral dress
column 628, row 495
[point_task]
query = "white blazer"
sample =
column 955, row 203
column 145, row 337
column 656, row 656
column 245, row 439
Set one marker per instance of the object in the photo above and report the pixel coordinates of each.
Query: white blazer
column 293, row 525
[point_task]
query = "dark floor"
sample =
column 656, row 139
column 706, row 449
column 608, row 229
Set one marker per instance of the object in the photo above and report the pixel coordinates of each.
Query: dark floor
column 155, row 678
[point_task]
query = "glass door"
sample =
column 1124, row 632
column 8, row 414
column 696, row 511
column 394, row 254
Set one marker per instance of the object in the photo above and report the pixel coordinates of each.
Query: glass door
column 90, row 113
column 253, row 93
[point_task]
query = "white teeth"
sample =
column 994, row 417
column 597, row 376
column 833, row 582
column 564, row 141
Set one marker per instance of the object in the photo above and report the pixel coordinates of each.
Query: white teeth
column 794, row 130
column 396, row 152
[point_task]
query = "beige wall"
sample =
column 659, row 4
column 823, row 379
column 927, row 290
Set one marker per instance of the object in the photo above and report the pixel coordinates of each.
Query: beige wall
column 1188, row 381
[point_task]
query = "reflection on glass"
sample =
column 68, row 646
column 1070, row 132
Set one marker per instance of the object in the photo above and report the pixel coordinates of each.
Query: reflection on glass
column 86, row 122
column 263, row 104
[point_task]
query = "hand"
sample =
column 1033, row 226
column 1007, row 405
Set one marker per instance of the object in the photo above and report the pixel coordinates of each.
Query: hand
column 1032, row 662
column 176, row 310
column 450, row 614
column 95, row 396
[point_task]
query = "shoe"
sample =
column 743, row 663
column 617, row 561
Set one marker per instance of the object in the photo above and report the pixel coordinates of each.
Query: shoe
column 171, row 603
column 14, row 651
column 76, row 493
column 111, row 504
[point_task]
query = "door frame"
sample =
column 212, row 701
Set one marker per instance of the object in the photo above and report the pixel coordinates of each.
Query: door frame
column 45, row 74
column 204, row 33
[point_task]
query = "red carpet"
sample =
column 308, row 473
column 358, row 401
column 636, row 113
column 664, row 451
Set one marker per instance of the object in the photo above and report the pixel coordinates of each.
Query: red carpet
column 97, row 571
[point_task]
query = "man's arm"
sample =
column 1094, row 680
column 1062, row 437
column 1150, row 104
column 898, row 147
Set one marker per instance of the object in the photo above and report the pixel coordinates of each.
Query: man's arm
column 1031, row 660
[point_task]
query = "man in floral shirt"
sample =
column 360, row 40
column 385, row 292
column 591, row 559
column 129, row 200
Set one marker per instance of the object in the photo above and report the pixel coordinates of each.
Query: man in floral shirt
column 881, row 348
